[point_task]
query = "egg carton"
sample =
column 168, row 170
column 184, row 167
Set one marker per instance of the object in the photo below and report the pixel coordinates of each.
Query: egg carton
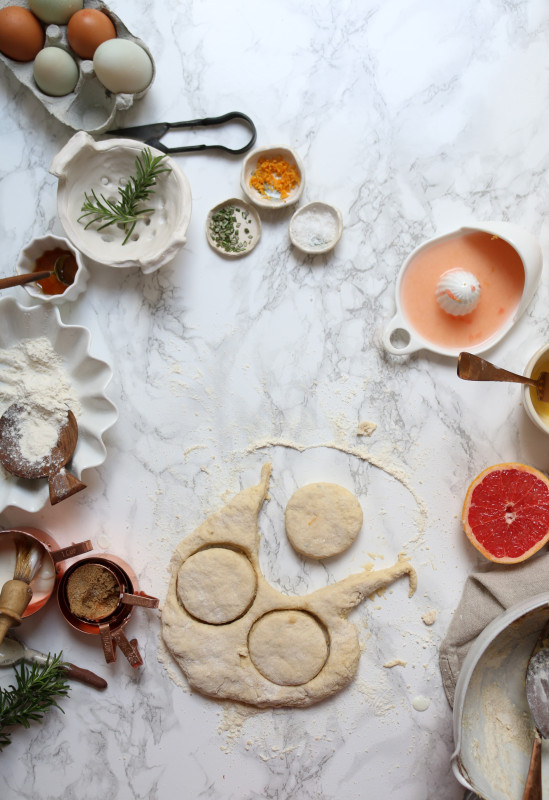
column 90, row 107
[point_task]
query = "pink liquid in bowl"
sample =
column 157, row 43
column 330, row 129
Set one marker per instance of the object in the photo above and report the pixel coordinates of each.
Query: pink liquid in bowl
column 500, row 271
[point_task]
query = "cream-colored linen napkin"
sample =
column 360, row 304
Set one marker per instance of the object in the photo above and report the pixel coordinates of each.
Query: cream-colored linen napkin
column 487, row 594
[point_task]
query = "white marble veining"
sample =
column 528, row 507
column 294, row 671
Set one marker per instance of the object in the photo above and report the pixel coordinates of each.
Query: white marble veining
column 412, row 118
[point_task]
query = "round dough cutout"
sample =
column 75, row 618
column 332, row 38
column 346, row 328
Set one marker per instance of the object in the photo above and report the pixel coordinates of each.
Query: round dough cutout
column 288, row 647
column 323, row 519
column 216, row 585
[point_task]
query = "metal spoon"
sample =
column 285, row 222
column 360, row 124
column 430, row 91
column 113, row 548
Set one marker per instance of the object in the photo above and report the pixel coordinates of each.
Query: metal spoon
column 473, row 368
column 12, row 651
column 537, row 694
column 29, row 277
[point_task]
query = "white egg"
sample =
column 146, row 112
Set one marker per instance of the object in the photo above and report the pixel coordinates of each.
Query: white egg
column 56, row 11
column 55, row 71
column 122, row 66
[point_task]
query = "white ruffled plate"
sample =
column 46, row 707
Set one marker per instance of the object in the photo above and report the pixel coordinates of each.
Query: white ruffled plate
column 89, row 376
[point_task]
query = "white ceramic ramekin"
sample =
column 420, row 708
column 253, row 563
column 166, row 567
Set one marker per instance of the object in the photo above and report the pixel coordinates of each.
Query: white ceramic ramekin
column 532, row 370
column 27, row 261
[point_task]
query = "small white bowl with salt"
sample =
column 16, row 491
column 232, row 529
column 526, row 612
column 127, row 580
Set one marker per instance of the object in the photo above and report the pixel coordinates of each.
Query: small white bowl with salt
column 316, row 228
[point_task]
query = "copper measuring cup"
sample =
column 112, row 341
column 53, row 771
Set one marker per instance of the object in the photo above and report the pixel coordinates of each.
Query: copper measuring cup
column 111, row 627
column 52, row 555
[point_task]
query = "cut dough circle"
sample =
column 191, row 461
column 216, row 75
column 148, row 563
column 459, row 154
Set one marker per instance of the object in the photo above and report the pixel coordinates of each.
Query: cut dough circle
column 322, row 519
column 216, row 585
column 288, row 647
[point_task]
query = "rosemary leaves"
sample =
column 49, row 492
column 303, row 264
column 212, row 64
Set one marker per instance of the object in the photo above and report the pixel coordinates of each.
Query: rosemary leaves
column 35, row 691
column 126, row 212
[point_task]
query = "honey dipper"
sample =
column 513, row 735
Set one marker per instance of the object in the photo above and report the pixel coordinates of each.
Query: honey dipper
column 16, row 593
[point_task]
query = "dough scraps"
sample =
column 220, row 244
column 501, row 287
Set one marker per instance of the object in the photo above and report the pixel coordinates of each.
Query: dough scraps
column 322, row 519
column 231, row 661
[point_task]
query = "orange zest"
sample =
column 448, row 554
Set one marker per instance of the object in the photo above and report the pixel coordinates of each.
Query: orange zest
column 275, row 175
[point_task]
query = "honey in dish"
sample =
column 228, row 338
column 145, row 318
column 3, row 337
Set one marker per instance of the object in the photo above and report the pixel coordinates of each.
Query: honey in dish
column 47, row 261
column 541, row 408
column 500, row 271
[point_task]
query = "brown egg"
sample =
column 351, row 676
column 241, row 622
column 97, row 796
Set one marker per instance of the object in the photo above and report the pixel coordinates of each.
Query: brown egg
column 21, row 34
column 87, row 29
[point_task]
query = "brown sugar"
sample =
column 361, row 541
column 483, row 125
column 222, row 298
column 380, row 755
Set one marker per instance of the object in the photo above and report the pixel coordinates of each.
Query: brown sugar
column 93, row 592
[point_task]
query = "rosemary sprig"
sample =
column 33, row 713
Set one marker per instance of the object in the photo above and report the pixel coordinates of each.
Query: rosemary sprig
column 125, row 211
column 35, row 691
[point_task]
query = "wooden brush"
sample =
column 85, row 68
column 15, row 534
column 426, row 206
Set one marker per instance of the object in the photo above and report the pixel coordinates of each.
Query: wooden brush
column 16, row 594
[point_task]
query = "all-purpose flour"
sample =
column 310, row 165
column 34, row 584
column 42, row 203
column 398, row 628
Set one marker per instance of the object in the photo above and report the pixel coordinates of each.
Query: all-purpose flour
column 33, row 374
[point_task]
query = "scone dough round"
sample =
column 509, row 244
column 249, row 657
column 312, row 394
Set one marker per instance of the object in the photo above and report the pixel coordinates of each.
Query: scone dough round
column 288, row 647
column 216, row 585
column 323, row 519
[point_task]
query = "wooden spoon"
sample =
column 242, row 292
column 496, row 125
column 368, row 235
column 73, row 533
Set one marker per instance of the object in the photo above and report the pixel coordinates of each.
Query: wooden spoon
column 51, row 466
column 474, row 368
column 29, row 277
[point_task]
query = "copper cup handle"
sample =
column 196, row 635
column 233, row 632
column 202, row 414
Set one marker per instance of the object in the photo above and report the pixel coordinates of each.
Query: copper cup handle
column 139, row 599
column 107, row 642
column 72, row 550
column 128, row 648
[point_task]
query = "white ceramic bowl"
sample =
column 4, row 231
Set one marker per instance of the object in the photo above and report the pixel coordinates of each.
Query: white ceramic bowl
column 89, row 377
column 532, row 370
column 271, row 200
column 325, row 232
column 493, row 728
column 27, row 260
column 251, row 222
column 84, row 165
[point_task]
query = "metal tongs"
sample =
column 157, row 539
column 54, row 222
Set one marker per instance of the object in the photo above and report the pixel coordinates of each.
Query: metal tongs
column 151, row 134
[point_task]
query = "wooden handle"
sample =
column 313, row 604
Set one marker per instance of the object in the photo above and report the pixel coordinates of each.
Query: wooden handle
column 532, row 790
column 19, row 280
column 62, row 485
column 14, row 598
column 474, row 368
column 85, row 676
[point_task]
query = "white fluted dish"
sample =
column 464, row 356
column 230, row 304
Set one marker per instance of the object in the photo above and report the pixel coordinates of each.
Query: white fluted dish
column 89, row 376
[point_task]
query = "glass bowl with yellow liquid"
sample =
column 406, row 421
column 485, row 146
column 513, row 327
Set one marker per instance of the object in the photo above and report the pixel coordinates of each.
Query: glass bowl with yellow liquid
column 537, row 410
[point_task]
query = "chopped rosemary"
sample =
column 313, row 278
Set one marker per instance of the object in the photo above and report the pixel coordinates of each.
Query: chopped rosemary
column 35, row 691
column 224, row 229
column 125, row 212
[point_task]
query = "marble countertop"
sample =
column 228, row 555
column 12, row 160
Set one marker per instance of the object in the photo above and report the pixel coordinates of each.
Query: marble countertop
column 412, row 118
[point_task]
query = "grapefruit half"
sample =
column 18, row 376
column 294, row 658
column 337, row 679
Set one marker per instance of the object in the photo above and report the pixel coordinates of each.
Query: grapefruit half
column 506, row 512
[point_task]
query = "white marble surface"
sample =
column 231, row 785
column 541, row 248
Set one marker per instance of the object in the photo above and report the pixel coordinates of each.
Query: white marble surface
column 411, row 117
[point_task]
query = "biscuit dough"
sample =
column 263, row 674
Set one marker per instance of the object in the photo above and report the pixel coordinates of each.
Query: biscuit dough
column 288, row 647
column 322, row 519
column 216, row 585
column 218, row 659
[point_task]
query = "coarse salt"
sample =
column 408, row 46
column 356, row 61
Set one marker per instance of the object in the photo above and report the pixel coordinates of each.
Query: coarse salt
column 314, row 228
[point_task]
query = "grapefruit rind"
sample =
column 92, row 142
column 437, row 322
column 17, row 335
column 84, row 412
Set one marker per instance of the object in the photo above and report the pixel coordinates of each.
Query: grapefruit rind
column 521, row 513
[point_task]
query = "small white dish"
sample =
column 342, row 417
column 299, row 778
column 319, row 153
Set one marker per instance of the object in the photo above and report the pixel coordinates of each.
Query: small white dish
column 89, row 376
column 538, row 363
column 316, row 228
column 27, row 261
column 84, row 165
column 401, row 337
column 242, row 234
column 271, row 198
column 491, row 715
